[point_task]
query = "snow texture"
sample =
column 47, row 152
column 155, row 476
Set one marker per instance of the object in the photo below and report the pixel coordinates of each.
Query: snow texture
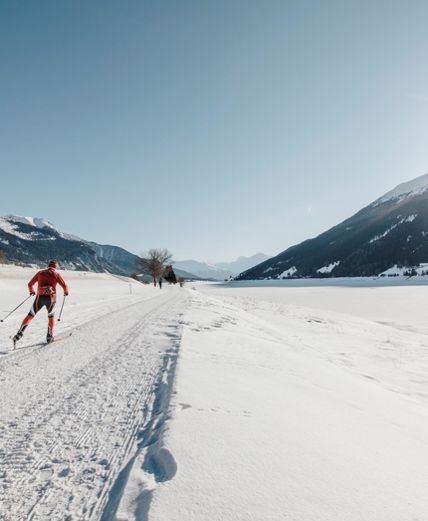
column 285, row 408
column 76, row 412
column 329, row 268
column 10, row 227
column 401, row 271
column 411, row 188
column 287, row 273
column 279, row 400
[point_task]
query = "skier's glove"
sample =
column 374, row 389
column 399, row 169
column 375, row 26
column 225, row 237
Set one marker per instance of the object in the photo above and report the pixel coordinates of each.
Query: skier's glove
column 66, row 294
column 32, row 293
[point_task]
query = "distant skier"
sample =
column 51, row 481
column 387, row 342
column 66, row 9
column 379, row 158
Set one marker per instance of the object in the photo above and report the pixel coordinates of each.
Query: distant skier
column 160, row 282
column 47, row 281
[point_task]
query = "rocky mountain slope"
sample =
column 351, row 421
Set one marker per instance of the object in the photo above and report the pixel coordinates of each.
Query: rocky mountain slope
column 33, row 241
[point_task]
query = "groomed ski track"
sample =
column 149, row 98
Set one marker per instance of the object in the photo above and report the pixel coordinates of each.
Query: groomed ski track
column 74, row 413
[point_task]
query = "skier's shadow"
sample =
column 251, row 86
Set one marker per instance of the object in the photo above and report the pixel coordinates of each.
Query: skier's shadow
column 17, row 349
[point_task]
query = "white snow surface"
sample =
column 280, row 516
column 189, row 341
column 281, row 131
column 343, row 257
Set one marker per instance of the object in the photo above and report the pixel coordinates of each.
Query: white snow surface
column 329, row 268
column 264, row 402
column 285, row 408
column 287, row 273
column 74, row 413
column 408, row 189
column 394, row 271
column 399, row 271
column 411, row 218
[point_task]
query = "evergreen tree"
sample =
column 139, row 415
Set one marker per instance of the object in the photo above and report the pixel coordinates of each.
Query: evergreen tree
column 169, row 274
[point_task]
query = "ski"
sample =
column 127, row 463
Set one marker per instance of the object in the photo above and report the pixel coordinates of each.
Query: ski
column 58, row 339
column 45, row 343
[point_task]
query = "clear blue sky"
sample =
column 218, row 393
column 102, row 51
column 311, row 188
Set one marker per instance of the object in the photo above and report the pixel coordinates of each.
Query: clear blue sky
column 215, row 128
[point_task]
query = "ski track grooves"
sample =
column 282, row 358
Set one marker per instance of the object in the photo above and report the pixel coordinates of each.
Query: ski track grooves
column 24, row 351
column 157, row 460
column 79, row 411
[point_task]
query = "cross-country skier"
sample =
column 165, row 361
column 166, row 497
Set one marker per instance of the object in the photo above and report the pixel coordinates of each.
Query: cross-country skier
column 46, row 297
column 160, row 282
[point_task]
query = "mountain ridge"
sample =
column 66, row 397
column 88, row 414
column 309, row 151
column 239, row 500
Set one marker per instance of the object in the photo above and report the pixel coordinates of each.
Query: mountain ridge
column 34, row 240
column 392, row 230
column 220, row 270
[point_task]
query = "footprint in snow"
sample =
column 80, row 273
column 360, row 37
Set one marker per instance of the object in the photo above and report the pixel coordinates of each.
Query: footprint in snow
column 64, row 472
column 184, row 406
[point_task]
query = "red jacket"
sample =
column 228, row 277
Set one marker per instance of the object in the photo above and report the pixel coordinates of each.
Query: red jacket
column 46, row 282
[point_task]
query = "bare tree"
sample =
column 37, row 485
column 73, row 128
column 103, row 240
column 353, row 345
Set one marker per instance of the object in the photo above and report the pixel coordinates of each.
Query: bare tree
column 154, row 261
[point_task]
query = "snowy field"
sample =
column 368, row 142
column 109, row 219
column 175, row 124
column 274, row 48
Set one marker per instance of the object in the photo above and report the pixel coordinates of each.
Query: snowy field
column 212, row 402
column 300, row 404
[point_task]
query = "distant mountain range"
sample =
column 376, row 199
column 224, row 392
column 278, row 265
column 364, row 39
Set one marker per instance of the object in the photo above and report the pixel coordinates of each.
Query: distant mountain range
column 220, row 270
column 33, row 241
column 391, row 231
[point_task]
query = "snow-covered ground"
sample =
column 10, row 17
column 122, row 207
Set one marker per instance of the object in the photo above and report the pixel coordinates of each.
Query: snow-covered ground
column 74, row 413
column 217, row 402
column 295, row 404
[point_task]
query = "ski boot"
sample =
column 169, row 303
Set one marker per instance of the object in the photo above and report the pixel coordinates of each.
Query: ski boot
column 49, row 338
column 17, row 337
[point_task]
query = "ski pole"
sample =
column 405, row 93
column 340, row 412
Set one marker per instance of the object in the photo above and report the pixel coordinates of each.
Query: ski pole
column 13, row 310
column 62, row 307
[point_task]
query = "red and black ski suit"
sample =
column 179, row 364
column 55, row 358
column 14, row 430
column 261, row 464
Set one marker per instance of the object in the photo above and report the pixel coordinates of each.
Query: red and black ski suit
column 47, row 281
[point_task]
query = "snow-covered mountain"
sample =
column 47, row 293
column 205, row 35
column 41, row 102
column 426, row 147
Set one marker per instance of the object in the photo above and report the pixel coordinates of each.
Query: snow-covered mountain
column 391, row 231
column 33, row 241
column 202, row 270
column 40, row 223
column 220, row 270
column 416, row 186
column 242, row 263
